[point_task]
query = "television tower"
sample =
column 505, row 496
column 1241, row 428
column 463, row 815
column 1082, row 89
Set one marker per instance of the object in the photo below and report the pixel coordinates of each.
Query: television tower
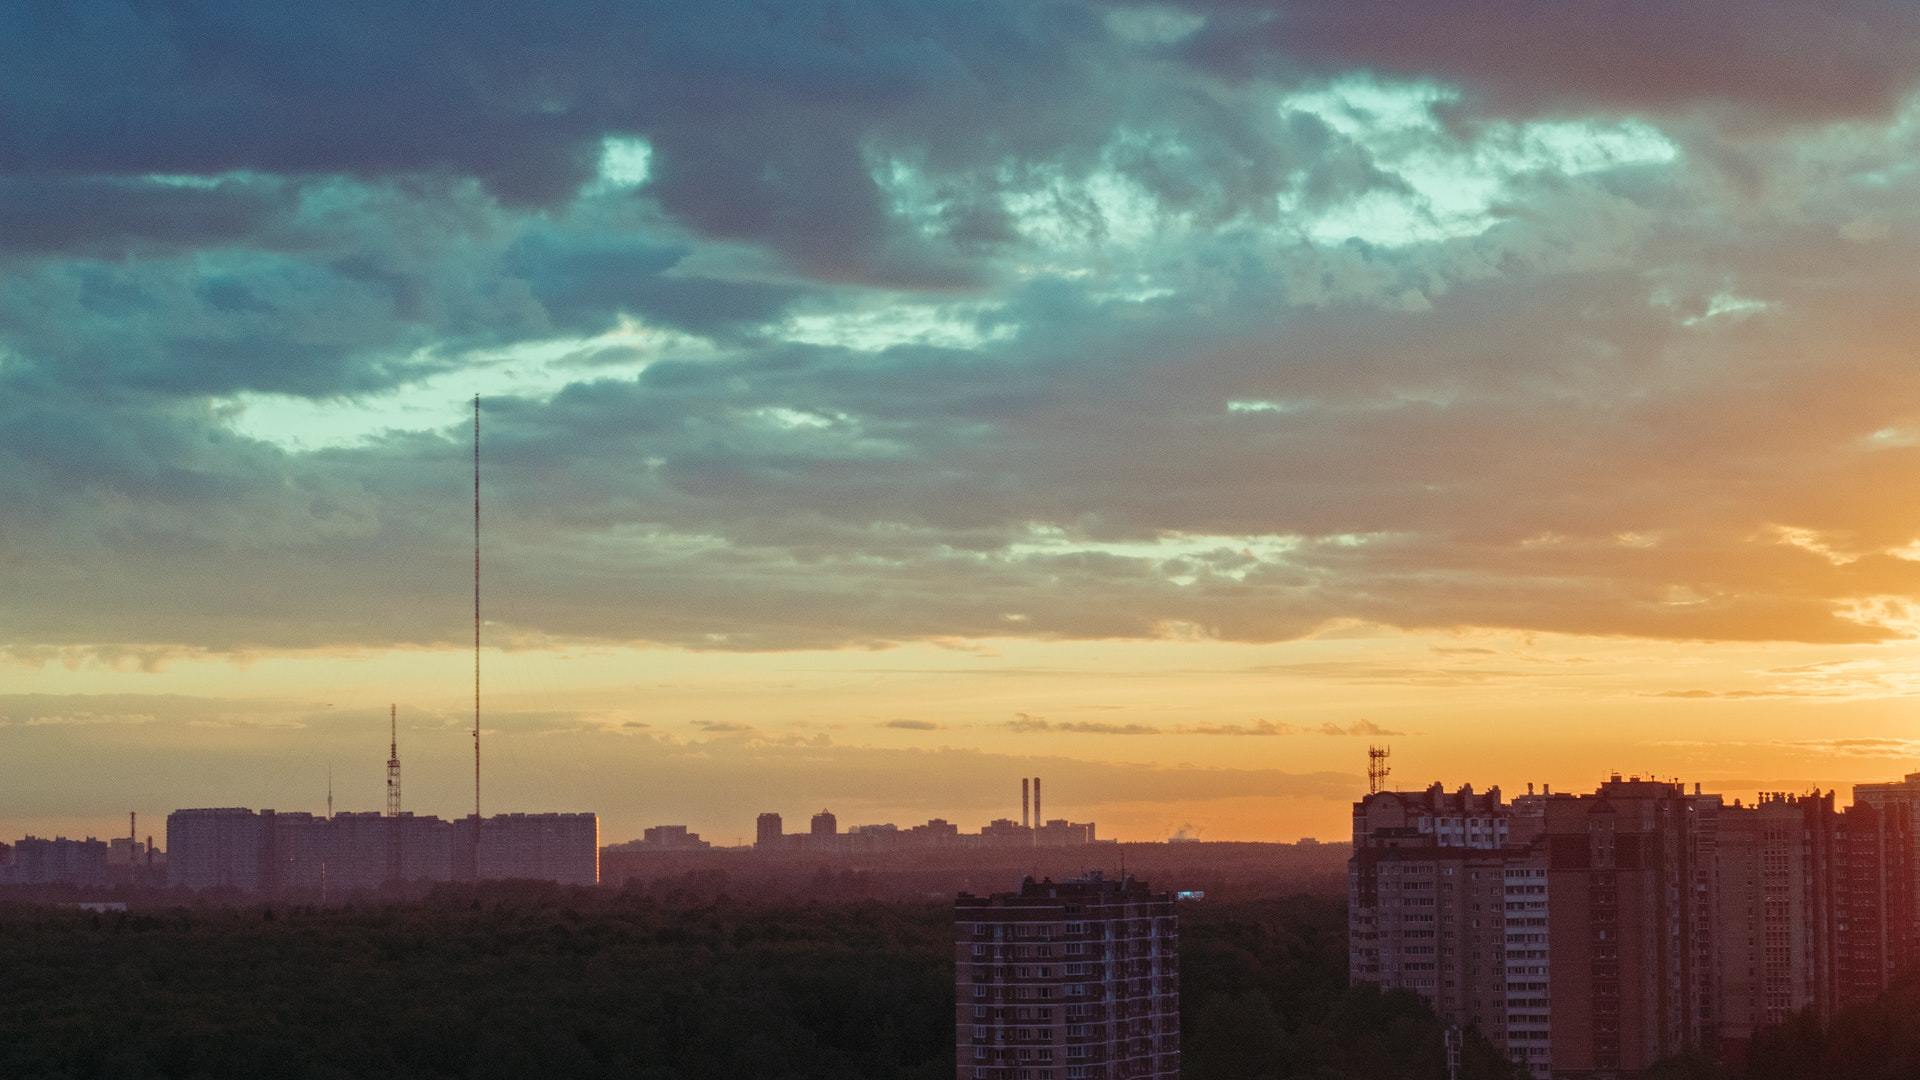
column 393, row 761
column 1378, row 769
column 476, row 636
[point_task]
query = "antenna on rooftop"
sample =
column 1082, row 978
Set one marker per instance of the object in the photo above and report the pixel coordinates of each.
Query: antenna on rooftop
column 1377, row 769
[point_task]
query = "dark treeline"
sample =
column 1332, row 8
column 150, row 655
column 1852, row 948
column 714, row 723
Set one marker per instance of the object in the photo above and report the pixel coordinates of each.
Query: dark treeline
column 1878, row 1040
column 528, row 982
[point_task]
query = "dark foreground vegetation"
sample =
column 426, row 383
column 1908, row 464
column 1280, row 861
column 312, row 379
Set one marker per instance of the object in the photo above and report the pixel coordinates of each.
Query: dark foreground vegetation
column 1879, row 1040
column 538, row 982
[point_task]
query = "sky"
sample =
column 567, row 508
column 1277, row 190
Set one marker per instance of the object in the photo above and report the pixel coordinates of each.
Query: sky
column 883, row 401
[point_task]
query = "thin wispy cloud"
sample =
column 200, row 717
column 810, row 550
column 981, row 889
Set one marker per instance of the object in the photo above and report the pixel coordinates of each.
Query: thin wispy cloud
column 1026, row 724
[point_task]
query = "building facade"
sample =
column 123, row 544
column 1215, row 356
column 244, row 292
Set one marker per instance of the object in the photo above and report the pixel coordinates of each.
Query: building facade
column 768, row 831
column 36, row 860
column 296, row 853
column 1071, row 980
column 1594, row 935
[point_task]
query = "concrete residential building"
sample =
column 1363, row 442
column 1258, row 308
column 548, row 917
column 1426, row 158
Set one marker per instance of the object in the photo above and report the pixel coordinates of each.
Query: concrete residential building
column 563, row 848
column 36, row 860
column 278, row 853
column 1070, row 980
column 215, row 848
column 825, row 827
column 1427, row 896
column 1620, row 883
column 1633, row 923
column 768, row 831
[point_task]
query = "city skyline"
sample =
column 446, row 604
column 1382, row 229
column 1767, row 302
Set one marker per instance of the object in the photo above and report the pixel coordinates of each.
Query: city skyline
column 1169, row 399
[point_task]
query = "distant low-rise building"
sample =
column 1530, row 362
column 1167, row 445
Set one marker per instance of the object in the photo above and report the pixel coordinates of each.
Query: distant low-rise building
column 1063, row 833
column 824, row 836
column 672, row 838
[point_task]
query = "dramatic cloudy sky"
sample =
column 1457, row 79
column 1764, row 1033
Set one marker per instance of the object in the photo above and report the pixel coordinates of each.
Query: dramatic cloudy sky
column 885, row 400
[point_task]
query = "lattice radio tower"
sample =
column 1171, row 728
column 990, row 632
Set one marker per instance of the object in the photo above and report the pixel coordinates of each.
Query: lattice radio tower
column 1377, row 769
column 393, row 761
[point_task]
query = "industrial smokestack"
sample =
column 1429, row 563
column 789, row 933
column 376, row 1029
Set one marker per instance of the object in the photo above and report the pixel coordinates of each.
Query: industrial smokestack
column 1026, row 822
column 1038, row 820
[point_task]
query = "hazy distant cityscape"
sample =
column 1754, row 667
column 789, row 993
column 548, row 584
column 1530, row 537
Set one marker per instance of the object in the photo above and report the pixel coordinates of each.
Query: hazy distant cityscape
column 300, row 853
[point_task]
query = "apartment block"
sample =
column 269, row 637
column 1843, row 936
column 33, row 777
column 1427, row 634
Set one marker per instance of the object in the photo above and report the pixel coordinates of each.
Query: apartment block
column 296, row 853
column 1594, row 935
column 1069, row 980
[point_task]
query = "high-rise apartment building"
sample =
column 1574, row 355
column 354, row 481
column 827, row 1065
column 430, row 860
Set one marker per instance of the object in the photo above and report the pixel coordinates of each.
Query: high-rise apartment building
column 768, row 832
column 1427, row 899
column 1593, row 935
column 1069, row 980
column 278, row 852
column 563, row 848
column 1621, row 934
column 825, row 827
column 36, row 860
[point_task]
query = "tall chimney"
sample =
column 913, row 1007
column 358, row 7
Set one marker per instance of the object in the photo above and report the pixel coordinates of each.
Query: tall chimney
column 1026, row 820
column 1037, row 819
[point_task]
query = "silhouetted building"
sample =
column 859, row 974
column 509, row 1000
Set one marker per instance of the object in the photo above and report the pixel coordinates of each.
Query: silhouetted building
column 367, row 849
column 825, row 826
column 1070, row 980
column 60, row 861
column 274, row 852
column 1063, row 833
column 564, row 848
column 938, row 832
column 1005, row 832
column 215, row 848
column 768, row 831
column 672, row 838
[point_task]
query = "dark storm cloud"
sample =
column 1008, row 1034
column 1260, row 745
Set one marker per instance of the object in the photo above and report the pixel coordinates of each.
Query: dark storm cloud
column 111, row 216
column 1766, row 65
column 762, row 117
column 994, row 319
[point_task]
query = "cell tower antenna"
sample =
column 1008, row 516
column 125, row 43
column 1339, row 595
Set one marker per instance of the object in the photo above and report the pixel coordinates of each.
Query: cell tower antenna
column 329, row 793
column 393, row 761
column 1377, row 768
column 476, row 635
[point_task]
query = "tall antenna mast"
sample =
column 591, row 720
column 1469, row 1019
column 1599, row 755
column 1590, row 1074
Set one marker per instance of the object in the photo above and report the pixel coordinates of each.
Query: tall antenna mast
column 476, row 635
column 393, row 761
column 1377, row 768
column 329, row 793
